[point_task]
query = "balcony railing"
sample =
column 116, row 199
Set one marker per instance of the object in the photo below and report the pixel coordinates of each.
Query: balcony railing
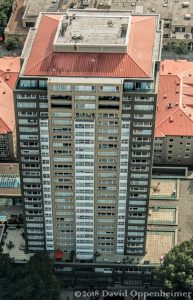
column 138, row 90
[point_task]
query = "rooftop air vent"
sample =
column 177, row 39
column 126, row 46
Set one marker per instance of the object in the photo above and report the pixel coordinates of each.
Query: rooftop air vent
column 187, row 16
column 186, row 4
column 171, row 119
column 153, row 9
column 110, row 23
column 169, row 105
column 165, row 5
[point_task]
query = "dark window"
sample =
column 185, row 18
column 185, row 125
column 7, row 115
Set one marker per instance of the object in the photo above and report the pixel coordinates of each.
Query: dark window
column 179, row 29
column 30, row 24
column 166, row 25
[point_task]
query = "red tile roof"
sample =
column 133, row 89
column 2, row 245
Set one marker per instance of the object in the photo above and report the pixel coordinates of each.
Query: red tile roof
column 9, row 70
column 4, row 129
column 175, row 99
column 137, row 62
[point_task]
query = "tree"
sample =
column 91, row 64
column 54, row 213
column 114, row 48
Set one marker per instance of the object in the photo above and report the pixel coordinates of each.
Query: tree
column 176, row 272
column 5, row 12
column 10, row 44
column 3, row 21
column 39, row 282
column 6, row 7
column 32, row 281
column 7, row 277
column 180, row 48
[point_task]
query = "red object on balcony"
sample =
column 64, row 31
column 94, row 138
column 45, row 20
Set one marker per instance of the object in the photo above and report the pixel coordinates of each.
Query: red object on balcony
column 58, row 254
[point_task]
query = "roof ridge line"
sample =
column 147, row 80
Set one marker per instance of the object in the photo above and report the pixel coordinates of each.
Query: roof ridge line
column 147, row 18
column 138, row 65
column 49, row 16
column 38, row 64
column 5, row 123
column 168, row 117
column 183, row 72
column 185, row 114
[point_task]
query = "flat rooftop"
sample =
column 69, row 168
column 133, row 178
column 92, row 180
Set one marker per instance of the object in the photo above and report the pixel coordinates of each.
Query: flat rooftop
column 159, row 243
column 9, row 180
column 164, row 189
column 162, row 215
column 33, row 8
column 49, row 53
column 170, row 219
column 171, row 10
column 92, row 30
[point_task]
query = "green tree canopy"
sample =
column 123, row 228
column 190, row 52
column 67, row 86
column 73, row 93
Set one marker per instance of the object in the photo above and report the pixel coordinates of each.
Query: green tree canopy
column 176, row 272
column 180, row 48
column 11, row 43
column 33, row 281
column 3, row 21
column 5, row 12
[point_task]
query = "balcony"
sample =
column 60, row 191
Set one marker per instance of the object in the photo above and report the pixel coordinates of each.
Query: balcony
column 138, row 87
column 61, row 97
column 108, row 98
column 181, row 35
column 135, row 154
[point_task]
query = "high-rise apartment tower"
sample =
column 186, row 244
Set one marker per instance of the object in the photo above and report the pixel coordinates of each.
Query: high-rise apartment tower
column 85, row 106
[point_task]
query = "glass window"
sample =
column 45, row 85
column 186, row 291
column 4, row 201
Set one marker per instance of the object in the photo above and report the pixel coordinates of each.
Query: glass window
column 61, row 87
column 85, row 106
column 109, row 89
column 26, row 104
column 27, row 83
column 43, row 105
column 179, row 29
column 85, row 98
column 85, row 88
column 43, row 83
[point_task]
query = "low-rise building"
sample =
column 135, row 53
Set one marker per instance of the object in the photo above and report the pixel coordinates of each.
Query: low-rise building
column 24, row 15
column 9, row 69
column 177, row 16
column 10, row 189
column 174, row 121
